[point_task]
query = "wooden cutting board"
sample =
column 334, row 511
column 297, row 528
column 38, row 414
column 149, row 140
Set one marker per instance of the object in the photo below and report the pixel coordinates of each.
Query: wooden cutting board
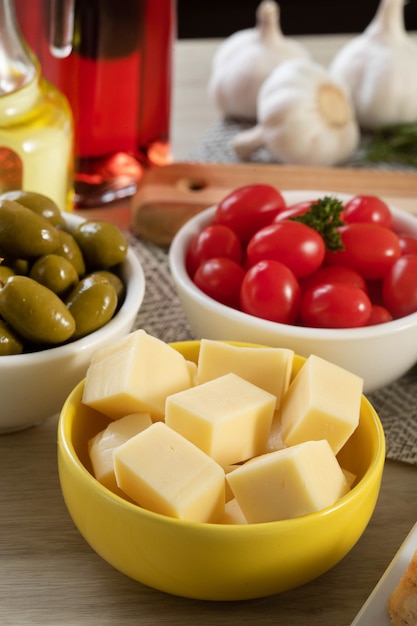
column 168, row 196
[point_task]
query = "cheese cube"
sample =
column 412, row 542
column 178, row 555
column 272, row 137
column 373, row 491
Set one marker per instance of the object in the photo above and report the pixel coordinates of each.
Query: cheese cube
column 135, row 375
column 228, row 418
column 275, row 434
column 232, row 513
column 288, row 483
column 165, row 473
column 192, row 368
column 228, row 492
column 267, row 368
column 322, row 402
column 102, row 445
column 350, row 477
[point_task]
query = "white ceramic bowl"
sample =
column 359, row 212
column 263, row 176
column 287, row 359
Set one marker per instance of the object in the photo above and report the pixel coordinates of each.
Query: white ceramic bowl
column 34, row 386
column 380, row 354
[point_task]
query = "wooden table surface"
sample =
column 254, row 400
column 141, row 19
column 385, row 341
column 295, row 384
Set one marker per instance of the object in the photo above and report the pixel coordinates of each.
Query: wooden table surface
column 50, row 576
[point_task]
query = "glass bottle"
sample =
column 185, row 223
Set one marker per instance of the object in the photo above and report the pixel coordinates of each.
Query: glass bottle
column 36, row 129
column 113, row 61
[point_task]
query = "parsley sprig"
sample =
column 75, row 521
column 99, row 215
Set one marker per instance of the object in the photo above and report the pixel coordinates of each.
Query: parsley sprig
column 393, row 143
column 324, row 216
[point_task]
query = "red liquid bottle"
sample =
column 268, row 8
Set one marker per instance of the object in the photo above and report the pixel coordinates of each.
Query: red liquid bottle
column 113, row 61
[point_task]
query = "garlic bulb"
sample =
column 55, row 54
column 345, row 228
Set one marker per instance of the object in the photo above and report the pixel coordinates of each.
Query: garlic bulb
column 305, row 118
column 379, row 69
column 246, row 58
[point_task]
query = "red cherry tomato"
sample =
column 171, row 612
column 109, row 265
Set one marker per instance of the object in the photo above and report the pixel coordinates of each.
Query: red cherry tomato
column 337, row 305
column 374, row 291
column 271, row 291
column 295, row 209
column 379, row 315
column 399, row 288
column 248, row 209
column 370, row 249
column 365, row 208
column 221, row 279
column 213, row 241
column 333, row 274
column 298, row 246
column 408, row 244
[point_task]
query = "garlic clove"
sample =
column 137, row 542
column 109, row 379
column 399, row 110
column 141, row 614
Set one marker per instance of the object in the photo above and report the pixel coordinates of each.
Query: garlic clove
column 378, row 69
column 248, row 141
column 246, row 58
column 305, row 118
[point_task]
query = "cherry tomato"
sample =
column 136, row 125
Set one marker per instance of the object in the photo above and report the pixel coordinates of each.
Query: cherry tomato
column 374, row 291
column 399, row 288
column 379, row 315
column 271, row 291
column 292, row 211
column 213, row 241
column 370, row 249
column 249, row 208
column 337, row 305
column 221, row 279
column 363, row 208
column 296, row 245
column 408, row 244
column 333, row 274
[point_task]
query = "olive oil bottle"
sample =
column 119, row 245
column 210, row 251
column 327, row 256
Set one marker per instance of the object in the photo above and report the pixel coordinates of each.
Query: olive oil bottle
column 36, row 126
column 113, row 61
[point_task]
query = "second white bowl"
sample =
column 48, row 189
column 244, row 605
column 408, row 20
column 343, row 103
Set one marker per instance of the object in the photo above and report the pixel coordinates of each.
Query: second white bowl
column 34, row 386
column 379, row 354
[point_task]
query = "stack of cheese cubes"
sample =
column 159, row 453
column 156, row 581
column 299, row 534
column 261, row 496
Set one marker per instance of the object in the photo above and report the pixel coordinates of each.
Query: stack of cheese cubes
column 232, row 438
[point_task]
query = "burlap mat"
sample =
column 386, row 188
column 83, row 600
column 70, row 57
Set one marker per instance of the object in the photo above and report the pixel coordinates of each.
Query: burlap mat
column 214, row 147
column 162, row 316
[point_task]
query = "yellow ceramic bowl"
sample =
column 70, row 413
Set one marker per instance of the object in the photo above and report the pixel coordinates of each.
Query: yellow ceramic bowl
column 209, row 561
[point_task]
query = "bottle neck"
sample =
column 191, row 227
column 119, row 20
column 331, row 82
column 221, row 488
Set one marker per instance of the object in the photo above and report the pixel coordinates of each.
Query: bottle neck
column 17, row 65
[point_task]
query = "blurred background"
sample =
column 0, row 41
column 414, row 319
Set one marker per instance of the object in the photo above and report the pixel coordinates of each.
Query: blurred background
column 220, row 18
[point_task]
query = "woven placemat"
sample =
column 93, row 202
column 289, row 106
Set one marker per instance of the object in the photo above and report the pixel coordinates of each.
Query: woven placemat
column 215, row 147
column 162, row 316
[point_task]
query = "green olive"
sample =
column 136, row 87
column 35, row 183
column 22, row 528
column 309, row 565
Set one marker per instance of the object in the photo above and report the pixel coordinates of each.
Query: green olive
column 23, row 233
column 35, row 312
column 38, row 203
column 103, row 244
column 70, row 249
column 92, row 304
column 114, row 280
column 5, row 272
column 55, row 272
column 10, row 343
column 18, row 266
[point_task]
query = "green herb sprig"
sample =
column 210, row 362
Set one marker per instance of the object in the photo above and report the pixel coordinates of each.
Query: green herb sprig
column 392, row 144
column 324, row 216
